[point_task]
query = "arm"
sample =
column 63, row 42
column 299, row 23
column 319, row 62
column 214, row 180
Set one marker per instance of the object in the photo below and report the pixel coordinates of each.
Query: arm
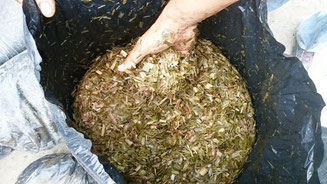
column 175, row 26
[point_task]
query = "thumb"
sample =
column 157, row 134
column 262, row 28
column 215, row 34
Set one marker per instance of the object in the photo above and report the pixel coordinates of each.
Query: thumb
column 150, row 43
column 135, row 56
column 47, row 7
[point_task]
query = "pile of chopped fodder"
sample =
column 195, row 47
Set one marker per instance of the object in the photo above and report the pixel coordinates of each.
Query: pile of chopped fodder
column 173, row 119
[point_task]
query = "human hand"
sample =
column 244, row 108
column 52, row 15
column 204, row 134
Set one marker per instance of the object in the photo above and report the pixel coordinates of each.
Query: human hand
column 47, row 7
column 174, row 27
column 164, row 33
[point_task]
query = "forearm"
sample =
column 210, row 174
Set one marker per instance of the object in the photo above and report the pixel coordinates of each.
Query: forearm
column 191, row 12
column 175, row 27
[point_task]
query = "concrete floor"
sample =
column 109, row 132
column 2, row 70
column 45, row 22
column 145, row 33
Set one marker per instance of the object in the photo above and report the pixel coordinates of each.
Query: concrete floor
column 12, row 165
column 283, row 23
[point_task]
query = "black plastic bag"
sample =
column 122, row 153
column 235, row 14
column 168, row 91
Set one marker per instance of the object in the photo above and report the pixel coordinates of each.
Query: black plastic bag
column 288, row 147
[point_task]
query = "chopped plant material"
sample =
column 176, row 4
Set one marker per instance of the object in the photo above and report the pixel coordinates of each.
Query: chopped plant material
column 173, row 119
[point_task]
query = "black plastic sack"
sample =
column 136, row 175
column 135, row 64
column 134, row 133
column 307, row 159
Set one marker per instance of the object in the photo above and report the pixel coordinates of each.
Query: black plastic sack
column 288, row 147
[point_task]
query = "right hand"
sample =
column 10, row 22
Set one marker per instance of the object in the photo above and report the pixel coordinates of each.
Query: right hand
column 175, row 27
column 47, row 7
column 163, row 34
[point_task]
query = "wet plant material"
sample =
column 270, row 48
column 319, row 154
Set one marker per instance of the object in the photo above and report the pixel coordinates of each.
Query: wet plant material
column 173, row 119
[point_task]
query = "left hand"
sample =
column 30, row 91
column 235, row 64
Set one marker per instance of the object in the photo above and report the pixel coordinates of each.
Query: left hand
column 47, row 7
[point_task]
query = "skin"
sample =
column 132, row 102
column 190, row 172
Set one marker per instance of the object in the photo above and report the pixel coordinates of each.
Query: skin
column 47, row 7
column 175, row 27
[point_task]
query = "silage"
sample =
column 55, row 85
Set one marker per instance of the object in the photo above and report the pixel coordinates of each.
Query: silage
column 173, row 119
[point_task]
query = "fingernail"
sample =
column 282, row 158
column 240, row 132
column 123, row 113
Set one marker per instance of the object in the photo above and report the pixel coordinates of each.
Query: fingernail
column 121, row 67
column 45, row 8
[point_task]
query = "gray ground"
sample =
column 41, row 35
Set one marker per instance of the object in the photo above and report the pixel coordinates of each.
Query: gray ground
column 284, row 21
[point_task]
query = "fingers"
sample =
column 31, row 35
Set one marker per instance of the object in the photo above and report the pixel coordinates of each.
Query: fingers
column 147, row 44
column 187, row 41
column 133, row 59
column 47, row 7
column 186, row 46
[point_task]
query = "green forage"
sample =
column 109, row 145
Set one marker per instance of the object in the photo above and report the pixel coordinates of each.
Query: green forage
column 173, row 119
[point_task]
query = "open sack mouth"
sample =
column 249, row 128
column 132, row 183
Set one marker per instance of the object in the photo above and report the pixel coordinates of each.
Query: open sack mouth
column 287, row 147
column 183, row 119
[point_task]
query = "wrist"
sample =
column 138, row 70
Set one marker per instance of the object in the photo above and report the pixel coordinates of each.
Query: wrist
column 175, row 19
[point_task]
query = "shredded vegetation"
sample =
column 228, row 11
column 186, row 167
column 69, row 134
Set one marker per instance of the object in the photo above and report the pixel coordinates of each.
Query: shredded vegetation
column 173, row 119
